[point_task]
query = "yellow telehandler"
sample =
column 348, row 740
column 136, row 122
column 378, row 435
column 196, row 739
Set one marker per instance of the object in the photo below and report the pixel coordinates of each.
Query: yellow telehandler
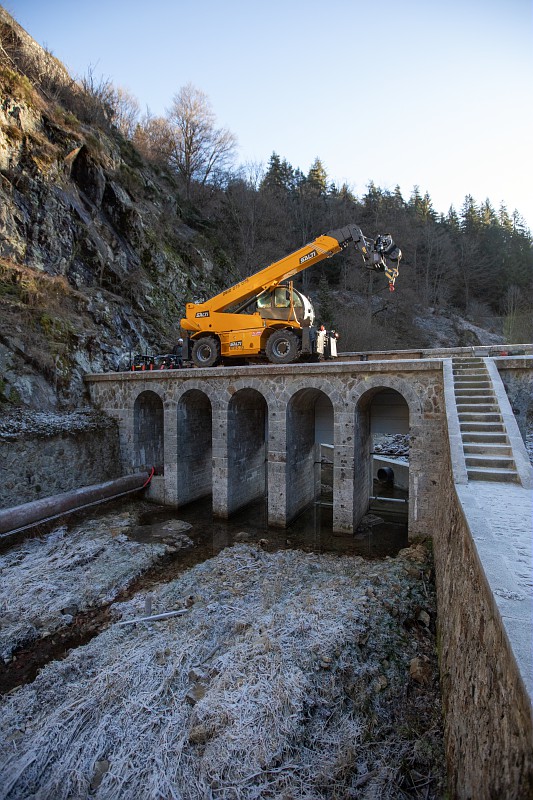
column 261, row 317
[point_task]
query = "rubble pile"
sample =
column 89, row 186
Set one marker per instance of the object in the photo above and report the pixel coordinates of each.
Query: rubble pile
column 392, row 445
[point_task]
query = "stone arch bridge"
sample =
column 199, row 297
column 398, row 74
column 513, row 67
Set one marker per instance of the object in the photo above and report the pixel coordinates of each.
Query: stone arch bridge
column 244, row 432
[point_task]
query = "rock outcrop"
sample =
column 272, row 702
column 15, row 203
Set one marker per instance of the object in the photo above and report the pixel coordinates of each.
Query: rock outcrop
column 98, row 253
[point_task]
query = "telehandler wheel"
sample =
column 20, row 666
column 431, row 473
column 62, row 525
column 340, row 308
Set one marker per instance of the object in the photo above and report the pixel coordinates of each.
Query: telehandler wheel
column 206, row 352
column 282, row 347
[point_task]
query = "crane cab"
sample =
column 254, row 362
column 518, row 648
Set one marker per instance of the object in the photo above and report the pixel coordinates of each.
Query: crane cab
column 284, row 303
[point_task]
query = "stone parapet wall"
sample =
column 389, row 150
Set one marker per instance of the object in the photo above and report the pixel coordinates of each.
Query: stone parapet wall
column 491, row 351
column 36, row 466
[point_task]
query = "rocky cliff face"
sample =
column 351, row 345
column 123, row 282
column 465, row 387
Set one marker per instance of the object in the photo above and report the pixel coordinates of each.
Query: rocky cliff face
column 97, row 257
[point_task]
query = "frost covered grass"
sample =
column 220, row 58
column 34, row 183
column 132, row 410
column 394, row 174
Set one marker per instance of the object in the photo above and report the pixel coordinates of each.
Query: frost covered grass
column 45, row 582
column 288, row 675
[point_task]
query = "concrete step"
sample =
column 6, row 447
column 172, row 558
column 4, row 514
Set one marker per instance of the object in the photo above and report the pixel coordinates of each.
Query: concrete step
column 470, row 374
column 473, row 391
column 487, row 448
column 460, row 365
column 473, row 416
column 485, row 437
column 488, row 474
column 469, row 426
column 472, row 382
column 478, row 407
column 472, row 400
column 490, row 462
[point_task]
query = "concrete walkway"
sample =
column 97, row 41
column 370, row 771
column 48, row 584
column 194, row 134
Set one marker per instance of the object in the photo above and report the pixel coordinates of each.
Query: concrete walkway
column 498, row 511
column 500, row 517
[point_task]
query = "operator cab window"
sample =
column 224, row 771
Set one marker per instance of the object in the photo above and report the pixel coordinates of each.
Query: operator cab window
column 264, row 300
column 282, row 297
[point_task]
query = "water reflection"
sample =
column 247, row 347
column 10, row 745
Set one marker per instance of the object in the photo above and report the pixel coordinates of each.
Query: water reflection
column 310, row 532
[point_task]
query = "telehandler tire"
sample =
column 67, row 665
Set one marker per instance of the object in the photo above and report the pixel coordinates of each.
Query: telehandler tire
column 206, row 352
column 282, row 347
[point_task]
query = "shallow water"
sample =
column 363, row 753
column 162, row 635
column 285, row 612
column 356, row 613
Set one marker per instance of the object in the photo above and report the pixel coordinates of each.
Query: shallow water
column 310, row 532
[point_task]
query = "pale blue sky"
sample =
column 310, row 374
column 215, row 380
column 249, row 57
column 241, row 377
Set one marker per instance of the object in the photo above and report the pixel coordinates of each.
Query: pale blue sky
column 437, row 94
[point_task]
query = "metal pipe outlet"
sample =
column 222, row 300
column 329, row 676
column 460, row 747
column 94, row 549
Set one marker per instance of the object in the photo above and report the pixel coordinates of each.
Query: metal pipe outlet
column 18, row 518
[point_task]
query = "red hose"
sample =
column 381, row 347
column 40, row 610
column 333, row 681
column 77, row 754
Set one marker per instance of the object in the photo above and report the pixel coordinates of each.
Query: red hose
column 149, row 478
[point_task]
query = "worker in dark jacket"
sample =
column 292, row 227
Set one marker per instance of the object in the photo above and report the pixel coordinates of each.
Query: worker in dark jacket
column 178, row 352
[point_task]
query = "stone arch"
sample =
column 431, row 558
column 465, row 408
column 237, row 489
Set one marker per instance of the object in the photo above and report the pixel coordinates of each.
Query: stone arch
column 149, row 432
column 247, row 436
column 383, row 408
column 366, row 390
column 202, row 386
column 303, row 456
column 194, row 425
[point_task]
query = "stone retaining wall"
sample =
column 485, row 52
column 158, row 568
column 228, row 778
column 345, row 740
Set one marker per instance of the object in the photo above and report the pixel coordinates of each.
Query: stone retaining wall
column 35, row 466
column 517, row 377
column 487, row 708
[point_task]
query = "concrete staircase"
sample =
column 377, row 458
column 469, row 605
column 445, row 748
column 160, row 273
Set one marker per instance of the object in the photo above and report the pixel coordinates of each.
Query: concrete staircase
column 487, row 451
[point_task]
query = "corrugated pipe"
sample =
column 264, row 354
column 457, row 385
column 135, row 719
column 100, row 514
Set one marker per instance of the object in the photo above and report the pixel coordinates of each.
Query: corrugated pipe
column 19, row 518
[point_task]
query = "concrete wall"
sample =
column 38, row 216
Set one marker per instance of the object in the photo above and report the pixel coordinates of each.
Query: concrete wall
column 33, row 467
column 148, row 421
column 303, row 454
column 487, row 707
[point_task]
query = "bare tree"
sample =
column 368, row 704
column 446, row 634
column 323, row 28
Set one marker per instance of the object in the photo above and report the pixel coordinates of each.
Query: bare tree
column 517, row 326
column 242, row 207
column 99, row 95
column 126, row 112
column 154, row 139
column 200, row 147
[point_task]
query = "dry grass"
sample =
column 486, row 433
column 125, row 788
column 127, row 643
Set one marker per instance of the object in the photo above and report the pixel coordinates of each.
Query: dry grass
column 287, row 677
column 45, row 582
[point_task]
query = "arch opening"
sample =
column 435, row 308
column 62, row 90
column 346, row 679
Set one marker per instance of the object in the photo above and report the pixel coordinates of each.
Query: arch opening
column 310, row 452
column 148, row 432
column 194, row 422
column 247, row 449
column 382, row 456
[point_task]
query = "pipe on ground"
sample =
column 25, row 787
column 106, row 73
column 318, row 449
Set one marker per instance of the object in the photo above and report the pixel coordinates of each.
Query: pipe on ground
column 24, row 516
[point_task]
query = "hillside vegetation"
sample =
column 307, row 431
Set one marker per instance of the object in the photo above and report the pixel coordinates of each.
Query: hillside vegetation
column 107, row 229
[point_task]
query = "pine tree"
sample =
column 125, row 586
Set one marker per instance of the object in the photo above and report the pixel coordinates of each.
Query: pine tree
column 452, row 219
column 469, row 219
column 504, row 219
column 487, row 214
column 325, row 303
column 279, row 177
column 426, row 207
column 399, row 202
column 415, row 201
column 317, row 177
